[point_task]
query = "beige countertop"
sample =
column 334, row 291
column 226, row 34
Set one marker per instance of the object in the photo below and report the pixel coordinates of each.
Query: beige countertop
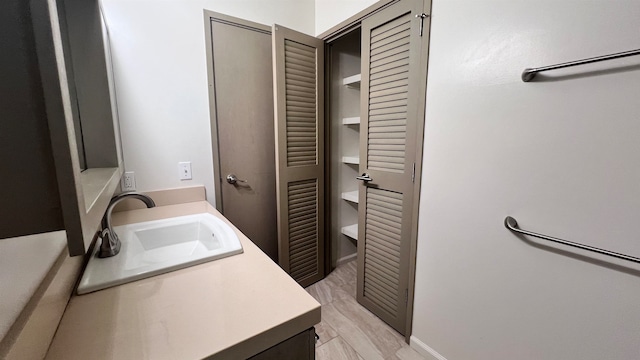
column 229, row 308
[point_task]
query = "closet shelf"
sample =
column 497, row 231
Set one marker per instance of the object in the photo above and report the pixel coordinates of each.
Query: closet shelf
column 351, row 231
column 351, row 160
column 352, row 81
column 351, row 196
column 351, row 120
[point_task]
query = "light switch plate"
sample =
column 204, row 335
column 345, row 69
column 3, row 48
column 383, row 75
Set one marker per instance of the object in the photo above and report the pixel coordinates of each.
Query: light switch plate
column 185, row 170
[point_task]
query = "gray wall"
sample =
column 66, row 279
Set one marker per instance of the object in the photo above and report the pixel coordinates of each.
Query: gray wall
column 562, row 156
column 29, row 200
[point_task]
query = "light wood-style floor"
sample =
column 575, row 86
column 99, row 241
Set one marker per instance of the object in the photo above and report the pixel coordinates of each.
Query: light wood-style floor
column 348, row 330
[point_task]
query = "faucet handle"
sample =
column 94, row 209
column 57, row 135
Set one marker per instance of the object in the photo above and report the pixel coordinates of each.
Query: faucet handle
column 109, row 246
column 104, row 233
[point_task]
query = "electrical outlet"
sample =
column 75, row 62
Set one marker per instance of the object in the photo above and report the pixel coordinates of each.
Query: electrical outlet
column 185, row 170
column 128, row 181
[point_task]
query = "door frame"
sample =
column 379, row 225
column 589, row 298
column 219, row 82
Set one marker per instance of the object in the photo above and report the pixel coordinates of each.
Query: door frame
column 210, row 16
column 353, row 22
column 329, row 36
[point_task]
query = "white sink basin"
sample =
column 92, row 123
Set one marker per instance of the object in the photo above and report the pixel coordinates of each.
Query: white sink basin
column 155, row 247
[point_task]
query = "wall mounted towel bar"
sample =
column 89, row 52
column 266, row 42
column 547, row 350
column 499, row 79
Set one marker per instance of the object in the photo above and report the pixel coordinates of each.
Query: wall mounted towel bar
column 511, row 224
column 529, row 73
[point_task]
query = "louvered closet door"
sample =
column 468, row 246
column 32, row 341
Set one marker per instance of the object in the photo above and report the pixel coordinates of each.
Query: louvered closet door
column 299, row 126
column 390, row 89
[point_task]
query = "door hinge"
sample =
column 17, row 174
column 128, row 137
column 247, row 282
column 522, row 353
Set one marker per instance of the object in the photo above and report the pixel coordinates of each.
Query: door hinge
column 413, row 173
column 406, row 296
column 421, row 17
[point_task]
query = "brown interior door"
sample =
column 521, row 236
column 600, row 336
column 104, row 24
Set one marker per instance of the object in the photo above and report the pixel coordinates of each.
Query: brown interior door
column 242, row 127
column 298, row 74
column 392, row 89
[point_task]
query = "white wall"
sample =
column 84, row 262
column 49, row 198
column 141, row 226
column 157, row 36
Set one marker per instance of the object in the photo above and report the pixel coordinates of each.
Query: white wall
column 332, row 12
column 161, row 80
column 562, row 157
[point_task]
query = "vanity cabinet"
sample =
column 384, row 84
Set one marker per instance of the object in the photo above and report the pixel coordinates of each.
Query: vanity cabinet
column 60, row 144
column 298, row 347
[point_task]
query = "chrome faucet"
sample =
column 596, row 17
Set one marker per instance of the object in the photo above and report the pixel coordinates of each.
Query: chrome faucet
column 110, row 245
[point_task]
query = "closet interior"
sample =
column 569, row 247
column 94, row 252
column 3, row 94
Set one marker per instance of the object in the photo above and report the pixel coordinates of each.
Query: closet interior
column 343, row 122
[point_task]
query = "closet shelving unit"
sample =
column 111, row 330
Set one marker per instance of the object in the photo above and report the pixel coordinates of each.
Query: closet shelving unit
column 344, row 141
column 352, row 81
column 351, row 120
column 351, row 196
column 353, row 160
column 351, row 230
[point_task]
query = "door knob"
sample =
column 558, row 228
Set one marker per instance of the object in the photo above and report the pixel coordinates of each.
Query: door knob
column 364, row 177
column 232, row 179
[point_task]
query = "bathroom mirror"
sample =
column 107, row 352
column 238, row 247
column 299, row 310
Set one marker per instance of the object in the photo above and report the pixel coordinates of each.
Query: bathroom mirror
column 60, row 136
column 92, row 166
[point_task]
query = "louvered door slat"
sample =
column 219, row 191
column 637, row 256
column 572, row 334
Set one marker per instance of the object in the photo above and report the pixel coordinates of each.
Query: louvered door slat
column 388, row 91
column 296, row 85
column 383, row 264
column 401, row 49
column 300, row 72
column 302, row 197
column 390, row 58
column 302, row 239
column 299, row 76
column 377, row 251
column 302, row 227
column 374, row 89
column 382, row 231
column 383, row 301
column 382, row 50
column 387, row 70
column 300, row 108
column 296, row 122
column 295, row 61
column 300, row 54
column 384, row 288
column 300, row 153
column 382, row 117
column 397, row 107
column 382, row 29
column 389, row 96
column 384, row 220
column 385, row 33
column 304, row 253
column 395, row 40
column 384, row 247
column 382, row 277
column 385, row 293
column 381, row 215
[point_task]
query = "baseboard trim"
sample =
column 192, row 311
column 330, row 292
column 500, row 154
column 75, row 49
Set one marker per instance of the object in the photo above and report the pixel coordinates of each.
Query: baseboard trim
column 424, row 349
column 346, row 259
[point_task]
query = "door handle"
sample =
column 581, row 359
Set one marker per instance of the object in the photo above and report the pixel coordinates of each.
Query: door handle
column 364, row 177
column 232, row 179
